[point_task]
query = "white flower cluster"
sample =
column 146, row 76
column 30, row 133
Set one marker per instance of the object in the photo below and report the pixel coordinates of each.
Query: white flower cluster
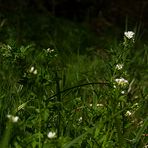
column 51, row 135
column 50, row 50
column 98, row 105
column 119, row 66
column 33, row 70
column 129, row 34
column 12, row 118
column 121, row 81
column 80, row 119
column 128, row 113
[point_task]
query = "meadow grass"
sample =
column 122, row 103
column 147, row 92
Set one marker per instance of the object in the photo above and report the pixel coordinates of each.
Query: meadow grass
column 58, row 98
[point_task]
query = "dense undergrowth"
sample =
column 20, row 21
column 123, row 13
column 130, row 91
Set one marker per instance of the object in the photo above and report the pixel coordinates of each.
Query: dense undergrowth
column 62, row 86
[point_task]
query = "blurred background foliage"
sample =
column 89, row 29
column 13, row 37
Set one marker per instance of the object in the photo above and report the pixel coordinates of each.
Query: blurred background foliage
column 45, row 22
column 114, row 10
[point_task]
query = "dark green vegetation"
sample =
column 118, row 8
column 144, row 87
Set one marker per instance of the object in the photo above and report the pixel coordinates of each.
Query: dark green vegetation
column 60, row 77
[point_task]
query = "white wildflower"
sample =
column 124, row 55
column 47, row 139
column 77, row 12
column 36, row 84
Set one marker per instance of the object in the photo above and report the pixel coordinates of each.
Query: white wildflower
column 123, row 92
column 50, row 50
column 12, row 118
column 80, row 119
column 129, row 34
column 33, row 70
column 15, row 119
column 119, row 66
column 121, row 81
column 51, row 135
column 90, row 105
column 128, row 113
column 100, row 105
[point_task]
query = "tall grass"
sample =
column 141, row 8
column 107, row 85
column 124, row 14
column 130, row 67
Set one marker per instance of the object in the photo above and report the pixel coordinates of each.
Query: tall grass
column 73, row 99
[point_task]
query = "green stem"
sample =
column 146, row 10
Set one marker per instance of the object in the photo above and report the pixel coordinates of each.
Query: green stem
column 93, row 83
column 60, row 101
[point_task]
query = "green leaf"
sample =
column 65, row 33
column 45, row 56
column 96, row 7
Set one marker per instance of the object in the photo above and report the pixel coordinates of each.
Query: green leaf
column 141, row 130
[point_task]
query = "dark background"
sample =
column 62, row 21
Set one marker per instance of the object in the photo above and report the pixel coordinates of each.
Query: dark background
column 114, row 11
column 98, row 15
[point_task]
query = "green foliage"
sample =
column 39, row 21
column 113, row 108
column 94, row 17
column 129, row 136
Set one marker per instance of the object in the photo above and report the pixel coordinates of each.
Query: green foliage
column 59, row 97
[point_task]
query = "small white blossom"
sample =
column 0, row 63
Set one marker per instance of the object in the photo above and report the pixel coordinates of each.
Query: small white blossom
column 12, row 118
column 114, row 86
column 15, row 119
column 80, row 119
column 123, row 92
column 129, row 34
column 119, row 66
column 33, row 70
column 51, row 135
column 50, row 50
column 121, row 81
column 128, row 113
column 100, row 105
column 90, row 105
